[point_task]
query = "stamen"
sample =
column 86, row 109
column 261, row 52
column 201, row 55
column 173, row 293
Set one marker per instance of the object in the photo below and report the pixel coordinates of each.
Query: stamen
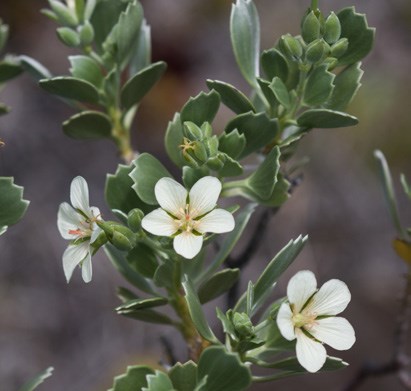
column 75, row 232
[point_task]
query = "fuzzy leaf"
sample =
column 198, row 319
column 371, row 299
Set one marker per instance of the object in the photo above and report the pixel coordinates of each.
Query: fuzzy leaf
column 133, row 379
column 232, row 143
column 324, row 118
column 233, row 98
column 141, row 83
column 173, row 139
column 218, row 284
column 143, row 259
column 147, row 172
column 85, row 68
column 71, row 88
column 274, row 64
column 140, row 304
column 224, row 370
column 88, row 125
column 202, row 108
column 184, row 376
column 319, row 86
column 158, row 382
column 360, row 37
column 280, row 92
column 9, row 70
column 34, row 68
column 245, row 38
column 39, row 379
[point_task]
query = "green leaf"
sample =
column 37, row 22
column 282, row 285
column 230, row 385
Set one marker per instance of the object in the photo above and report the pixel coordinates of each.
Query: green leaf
column 232, row 143
column 347, row 83
column 173, row 139
column 140, row 304
column 71, row 88
column 202, row 108
column 291, row 364
column 324, row 118
column 141, row 83
column 360, row 37
column 133, row 379
column 224, row 370
column 184, row 376
column 163, row 277
column 88, row 125
column 119, row 192
column 9, row 70
column 158, row 382
column 105, row 16
column 218, row 284
column 143, row 259
column 192, row 175
column 258, row 130
column 231, row 167
column 142, row 55
column 389, row 192
column 280, row 91
column 85, row 68
column 233, row 98
column 274, row 64
column 196, row 312
column 245, row 38
column 149, row 316
column 232, row 238
column 147, row 172
column 119, row 261
column 228, row 326
column 39, row 379
column 34, row 68
column 319, row 86
column 12, row 205
column 127, row 30
column 268, row 93
column 270, row 275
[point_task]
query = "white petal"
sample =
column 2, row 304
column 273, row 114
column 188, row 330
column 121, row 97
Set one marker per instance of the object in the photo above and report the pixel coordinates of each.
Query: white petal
column 96, row 231
column 86, row 270
column 79, row 194
column 300, row 288
column 95, row 212
column 204, row 195
column 285, row 323
column 217, row 221
column 310, row 354
column 187, row 244
column 331, row 299
column 158, row 222
column 67, row 219
column 335, row 331
column 73, row 256
column 171, row 196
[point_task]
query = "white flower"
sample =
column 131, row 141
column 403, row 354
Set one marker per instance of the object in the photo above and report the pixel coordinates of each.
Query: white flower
column 188, row 215
column 309, row 317
column 78, row 224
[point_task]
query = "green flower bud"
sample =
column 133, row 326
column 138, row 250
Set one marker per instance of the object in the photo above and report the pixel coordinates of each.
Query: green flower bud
column 291, row 46
column 68, row 36
column 332, row 29
column 107, row 227
column 121, row 241
column 189, row 159
column 339, row 48
column 134, row 219
column 192, row 131
column 86, row 33
column 99, row 242
column 200, row 151
column 216, row 163
column 316, row 51
column 207, row 129
column 311, row 28
column 242, row 325
column 331, row 63
column 65, row 15
column 212, row 145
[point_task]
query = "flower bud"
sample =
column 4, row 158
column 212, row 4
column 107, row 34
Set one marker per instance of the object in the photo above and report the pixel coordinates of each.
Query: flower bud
column 339, row 48
column 331, row 63
column 212, row 145
column 65, row 15
column 86, row 33
column 123, row 238
column 68, row 36
column 316, row 51
column 192, row 131
column 332, row 29
column 216, row 163
column 291, row 46
column 189, row 159
column 134, row 219
column 207, row 129
column 242, row 325
column 311, row 28
column 99, row 242
column 200, row 151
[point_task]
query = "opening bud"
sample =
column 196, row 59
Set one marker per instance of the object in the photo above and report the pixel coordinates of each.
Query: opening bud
column 242, row 325
column 192, row 131
column 134, row 219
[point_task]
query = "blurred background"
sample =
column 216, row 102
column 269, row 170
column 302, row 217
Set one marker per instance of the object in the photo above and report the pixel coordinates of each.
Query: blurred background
column 45, row 322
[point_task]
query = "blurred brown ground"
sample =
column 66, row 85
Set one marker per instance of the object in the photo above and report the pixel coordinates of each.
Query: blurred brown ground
column 44, row 321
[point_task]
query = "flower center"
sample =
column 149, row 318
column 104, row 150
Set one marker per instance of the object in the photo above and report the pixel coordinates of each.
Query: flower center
column 306, row 320
column 84, row 230
column 186, row 221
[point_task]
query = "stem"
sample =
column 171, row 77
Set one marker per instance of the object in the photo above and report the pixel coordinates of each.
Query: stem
column 314, row 5
column 121, row 136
